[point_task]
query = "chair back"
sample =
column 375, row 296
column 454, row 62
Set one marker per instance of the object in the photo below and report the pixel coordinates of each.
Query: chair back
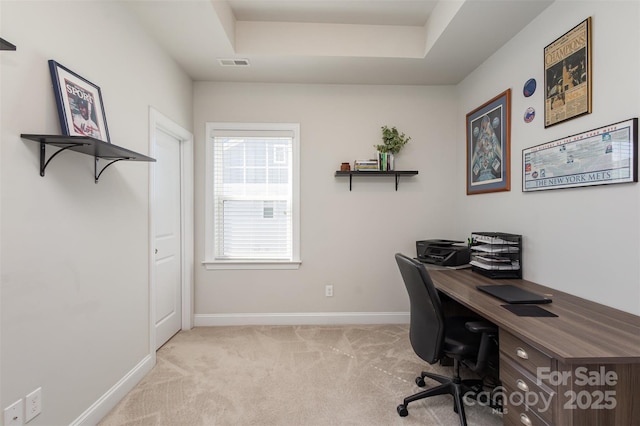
column 426, row 330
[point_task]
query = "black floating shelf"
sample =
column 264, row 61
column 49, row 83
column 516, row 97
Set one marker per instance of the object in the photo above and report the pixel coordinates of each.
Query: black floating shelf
column 396, row 173
column 85, row 145
column 5, row 45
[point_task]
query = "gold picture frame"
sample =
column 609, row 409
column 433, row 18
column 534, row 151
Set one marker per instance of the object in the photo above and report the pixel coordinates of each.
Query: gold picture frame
column 567, row 75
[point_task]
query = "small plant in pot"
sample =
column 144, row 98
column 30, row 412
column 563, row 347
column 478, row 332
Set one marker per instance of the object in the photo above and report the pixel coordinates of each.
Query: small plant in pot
column 392, row 143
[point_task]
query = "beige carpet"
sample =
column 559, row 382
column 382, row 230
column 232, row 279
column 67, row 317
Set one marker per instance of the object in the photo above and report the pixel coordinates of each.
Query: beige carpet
column 288, row 375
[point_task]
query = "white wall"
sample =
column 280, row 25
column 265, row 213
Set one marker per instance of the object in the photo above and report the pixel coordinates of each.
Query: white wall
column 584, row 240
column 348, row 238
column 75, row 254
column 74, row 307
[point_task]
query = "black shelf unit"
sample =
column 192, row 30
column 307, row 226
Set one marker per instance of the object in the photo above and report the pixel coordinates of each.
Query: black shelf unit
column 396, row 173
column 96, row 148
column 496, row 254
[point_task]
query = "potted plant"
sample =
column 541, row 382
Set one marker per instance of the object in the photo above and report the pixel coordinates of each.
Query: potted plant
column 392, row 143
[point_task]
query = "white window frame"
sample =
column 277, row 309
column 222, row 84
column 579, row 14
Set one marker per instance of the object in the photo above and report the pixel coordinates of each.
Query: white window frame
column 210, row 262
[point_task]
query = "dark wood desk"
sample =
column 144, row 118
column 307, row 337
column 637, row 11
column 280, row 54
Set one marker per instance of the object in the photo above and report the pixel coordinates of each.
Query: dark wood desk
column 585, row 362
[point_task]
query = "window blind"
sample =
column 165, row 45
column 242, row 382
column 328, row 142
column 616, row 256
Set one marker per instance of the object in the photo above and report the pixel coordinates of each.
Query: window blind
column 253, row 190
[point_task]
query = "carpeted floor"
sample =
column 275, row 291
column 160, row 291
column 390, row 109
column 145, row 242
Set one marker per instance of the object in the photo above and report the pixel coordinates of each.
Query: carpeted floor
column 288, row 376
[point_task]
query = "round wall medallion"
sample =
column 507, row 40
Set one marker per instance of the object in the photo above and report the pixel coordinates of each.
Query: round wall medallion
column 529, row 115
column 529, row 87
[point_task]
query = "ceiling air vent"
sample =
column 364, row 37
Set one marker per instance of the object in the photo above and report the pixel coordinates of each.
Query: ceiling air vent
column 234, row 62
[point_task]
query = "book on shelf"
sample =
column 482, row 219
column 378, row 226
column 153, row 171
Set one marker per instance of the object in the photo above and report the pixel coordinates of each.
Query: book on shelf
column 385, row 159
column 366, row 165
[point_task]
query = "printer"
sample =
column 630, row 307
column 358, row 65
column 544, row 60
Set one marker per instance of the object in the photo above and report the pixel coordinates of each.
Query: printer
column 443, row 252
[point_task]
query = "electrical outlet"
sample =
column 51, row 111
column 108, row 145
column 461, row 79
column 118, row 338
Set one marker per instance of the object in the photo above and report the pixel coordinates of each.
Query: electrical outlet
column 33, row 405
column 328, row 290
column 14, row 414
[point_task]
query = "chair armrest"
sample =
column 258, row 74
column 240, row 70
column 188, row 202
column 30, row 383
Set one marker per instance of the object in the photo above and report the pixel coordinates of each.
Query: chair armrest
column 489, row 332
column 481, row 327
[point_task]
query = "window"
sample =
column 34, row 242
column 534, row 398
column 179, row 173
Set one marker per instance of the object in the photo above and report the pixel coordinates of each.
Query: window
column 252, row 210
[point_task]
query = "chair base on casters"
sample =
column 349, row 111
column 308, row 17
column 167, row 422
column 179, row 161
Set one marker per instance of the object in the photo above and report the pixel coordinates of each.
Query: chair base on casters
column 435, row 337
column 455, row 387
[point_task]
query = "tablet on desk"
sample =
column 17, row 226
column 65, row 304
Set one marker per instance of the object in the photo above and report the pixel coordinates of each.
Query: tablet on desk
column 512, row 294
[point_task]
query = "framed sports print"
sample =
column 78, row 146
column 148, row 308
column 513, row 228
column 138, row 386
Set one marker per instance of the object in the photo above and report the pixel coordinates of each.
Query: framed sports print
column 488, row 146
column 79, row 103
column 602, row 156
column 567, row 75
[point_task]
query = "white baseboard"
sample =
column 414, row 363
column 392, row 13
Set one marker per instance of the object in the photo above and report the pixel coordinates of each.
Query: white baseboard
column 313, row 318
column 110, row 399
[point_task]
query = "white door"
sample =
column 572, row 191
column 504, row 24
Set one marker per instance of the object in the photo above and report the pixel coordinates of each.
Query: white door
column 167, row 237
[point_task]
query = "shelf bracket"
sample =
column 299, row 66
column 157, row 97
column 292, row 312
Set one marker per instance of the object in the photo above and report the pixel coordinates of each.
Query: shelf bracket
column 97, row 175
column 397, row 179
column 5, row 45
column 43, row 154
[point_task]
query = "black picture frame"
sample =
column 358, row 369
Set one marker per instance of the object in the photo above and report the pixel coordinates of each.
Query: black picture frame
column 603, row 156
column 80, row 105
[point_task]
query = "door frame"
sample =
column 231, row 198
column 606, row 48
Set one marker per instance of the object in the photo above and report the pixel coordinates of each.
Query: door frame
column 159, row 122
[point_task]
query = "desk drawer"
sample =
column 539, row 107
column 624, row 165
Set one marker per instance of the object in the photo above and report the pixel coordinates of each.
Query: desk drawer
column 522, row 392
column 524, row 354
column 519, row 416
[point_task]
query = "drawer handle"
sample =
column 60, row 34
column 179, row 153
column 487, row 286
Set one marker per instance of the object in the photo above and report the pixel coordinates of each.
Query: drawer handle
column 525, row 420
column 522, row 385
column 522, row 353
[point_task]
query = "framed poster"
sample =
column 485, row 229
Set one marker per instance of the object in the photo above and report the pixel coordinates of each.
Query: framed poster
column 567, row 75
column 488, row 146
column 79, row 102
column 598, row 157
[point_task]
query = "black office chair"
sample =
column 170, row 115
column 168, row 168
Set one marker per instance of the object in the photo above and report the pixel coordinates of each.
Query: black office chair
column 466, row 340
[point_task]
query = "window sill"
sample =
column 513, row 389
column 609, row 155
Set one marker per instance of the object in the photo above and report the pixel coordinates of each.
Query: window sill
column 242, row 264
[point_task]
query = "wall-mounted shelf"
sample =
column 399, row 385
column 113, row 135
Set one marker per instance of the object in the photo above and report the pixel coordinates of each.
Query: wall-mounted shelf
column 396, row 173
column 5, row 45
column 86, row 145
